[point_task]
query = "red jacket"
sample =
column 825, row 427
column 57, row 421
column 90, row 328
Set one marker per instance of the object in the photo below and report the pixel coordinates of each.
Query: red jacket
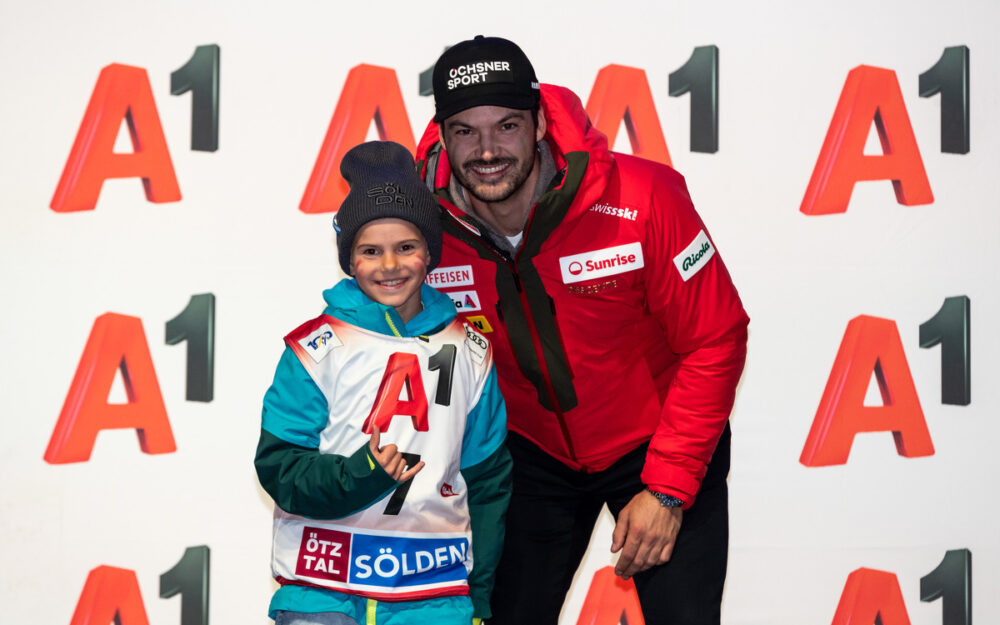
column 616, row 322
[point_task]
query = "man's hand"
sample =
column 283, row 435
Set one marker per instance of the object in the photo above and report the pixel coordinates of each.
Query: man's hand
column 647, row 532
column 391, row 459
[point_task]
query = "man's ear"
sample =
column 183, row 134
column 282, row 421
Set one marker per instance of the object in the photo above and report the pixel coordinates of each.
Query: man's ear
column 441, row 133
column 540, row 127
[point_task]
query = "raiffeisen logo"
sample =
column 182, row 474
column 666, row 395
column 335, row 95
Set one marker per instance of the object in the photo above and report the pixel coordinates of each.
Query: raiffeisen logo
column 600, row 263
column 445, row 277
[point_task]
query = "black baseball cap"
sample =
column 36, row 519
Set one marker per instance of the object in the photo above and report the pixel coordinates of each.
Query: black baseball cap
column 483, row 71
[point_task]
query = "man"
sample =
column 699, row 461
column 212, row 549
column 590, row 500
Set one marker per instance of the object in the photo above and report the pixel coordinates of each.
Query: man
column 619, row 338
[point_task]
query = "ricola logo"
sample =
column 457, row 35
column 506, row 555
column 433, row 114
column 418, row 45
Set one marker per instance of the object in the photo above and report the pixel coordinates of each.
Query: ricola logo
column 695, row 256
column 600, row 263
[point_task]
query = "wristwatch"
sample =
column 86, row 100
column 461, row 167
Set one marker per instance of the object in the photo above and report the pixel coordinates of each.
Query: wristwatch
column 667, row 501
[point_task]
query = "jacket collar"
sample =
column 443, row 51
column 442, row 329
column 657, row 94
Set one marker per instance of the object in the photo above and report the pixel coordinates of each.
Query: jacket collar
column 347, row 302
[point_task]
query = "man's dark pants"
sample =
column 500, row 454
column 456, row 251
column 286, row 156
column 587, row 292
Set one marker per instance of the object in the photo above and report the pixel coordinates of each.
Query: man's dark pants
column 552, row 514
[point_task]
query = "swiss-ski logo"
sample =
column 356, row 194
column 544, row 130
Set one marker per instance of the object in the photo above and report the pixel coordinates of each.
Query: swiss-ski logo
column 447, row 490
column 614, row 211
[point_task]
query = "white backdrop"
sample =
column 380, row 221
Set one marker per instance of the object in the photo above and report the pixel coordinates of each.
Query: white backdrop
column 797, row 532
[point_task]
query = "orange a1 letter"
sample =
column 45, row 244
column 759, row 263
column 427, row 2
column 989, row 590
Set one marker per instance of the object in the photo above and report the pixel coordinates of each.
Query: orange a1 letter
column 871, row 597
column 402, row 371
column 116, row 342
column 369, row 92
column 871, row 94
column 110, row 595
column 870, row 345
column 122, row 92
column 622, row 92
column 611, row 601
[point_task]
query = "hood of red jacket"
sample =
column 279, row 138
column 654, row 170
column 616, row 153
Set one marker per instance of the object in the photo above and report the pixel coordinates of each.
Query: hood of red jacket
column 568, row 130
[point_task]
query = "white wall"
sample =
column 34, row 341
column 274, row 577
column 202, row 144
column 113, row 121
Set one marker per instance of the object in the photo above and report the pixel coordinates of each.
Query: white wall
column 797, row 532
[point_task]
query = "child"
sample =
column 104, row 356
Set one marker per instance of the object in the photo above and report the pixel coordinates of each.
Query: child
column 382, row 434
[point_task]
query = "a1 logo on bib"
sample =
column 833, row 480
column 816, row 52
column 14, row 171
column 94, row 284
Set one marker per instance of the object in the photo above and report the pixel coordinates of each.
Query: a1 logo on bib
column 695, row 256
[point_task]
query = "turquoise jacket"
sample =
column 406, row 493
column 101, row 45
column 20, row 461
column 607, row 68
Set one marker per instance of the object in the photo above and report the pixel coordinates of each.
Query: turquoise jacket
column 305, row 482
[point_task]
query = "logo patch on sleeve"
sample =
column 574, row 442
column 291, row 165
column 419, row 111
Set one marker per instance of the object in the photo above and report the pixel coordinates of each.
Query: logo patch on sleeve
column 695, row 256
column 476, row 343
column 447, row 277
column 601, row 263
column 482, row 323
column 320, row 342
column 465, row 301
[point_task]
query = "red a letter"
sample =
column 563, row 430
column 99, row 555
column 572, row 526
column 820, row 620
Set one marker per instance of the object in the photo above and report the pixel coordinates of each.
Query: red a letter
column 610, row 601
column 122, row 92
column 401, row 370
column 110, row 595
column 870, row 94
column 116, row 342
column 870, row 344
column 622, row 92
column 871, row 597
column 369, row 92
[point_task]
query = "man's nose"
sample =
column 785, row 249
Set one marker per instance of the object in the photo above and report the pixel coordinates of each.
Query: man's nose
column 487, row 146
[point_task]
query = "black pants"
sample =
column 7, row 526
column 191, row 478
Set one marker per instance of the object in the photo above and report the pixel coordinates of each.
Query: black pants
column 552, row 515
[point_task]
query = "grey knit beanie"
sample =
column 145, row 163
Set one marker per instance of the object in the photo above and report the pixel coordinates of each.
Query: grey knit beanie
column 384, row 183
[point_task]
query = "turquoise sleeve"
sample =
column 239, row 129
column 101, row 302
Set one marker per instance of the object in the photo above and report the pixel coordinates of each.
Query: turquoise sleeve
column 295, row 410
column 299, row 478
column 486, row 424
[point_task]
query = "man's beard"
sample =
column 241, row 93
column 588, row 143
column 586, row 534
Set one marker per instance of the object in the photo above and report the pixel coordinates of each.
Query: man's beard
column 513, row 179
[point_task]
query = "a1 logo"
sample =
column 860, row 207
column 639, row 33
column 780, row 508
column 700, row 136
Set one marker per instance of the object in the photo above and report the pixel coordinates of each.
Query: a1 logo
column 111, row 594
column 118, row 343
column 872, row 347
column 871, row 95
column 123, row 94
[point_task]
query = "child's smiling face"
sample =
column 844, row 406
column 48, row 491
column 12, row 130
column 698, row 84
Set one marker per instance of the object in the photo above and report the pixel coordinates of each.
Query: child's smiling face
column 389, row 260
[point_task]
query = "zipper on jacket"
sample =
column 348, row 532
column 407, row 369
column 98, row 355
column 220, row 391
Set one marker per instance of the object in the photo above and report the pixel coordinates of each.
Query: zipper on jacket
column 532, row 331
column 537, row 342
column 544, row 370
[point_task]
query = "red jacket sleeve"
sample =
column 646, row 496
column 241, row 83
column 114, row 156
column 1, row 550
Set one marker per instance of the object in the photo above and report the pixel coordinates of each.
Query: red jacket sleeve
column 690, row 293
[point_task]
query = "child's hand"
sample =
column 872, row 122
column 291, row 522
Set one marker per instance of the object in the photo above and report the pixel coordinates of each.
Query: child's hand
column 391, row 459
